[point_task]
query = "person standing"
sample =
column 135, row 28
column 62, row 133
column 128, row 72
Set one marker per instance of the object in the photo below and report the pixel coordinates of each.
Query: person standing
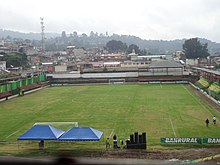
column 115, row 142
column 107, row 143
column 207, row 122
column 114, row 137
column 214, row 120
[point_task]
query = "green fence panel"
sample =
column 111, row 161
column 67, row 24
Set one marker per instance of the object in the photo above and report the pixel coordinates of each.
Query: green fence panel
column 18, row 83
column 42, row 77
column 29, row 80
column 15, row 85
column 34, row 79
column 3, row 88
column 38, row 77
column 23, row 82
column 9, row 87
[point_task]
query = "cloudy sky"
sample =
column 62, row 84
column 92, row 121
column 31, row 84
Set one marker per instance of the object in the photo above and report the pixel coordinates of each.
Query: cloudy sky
column 148, row 19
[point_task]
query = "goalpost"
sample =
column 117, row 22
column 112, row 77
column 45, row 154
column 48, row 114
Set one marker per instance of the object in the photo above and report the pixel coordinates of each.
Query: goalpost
column 116, row 81
column 57, row 123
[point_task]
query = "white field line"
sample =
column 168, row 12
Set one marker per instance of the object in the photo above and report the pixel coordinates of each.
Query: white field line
column 160, row 85
column 12, row 134
column 111, row 133
column 172, row 127
column 198, row 101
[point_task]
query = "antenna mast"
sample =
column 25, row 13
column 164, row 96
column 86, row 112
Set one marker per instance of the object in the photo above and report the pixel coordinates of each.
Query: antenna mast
column 42, row 34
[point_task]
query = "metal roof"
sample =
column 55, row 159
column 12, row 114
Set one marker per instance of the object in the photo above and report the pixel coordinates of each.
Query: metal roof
column 208, row 70
column 165, row 64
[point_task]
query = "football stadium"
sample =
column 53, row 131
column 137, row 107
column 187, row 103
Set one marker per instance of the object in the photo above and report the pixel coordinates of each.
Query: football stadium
column 171, row 114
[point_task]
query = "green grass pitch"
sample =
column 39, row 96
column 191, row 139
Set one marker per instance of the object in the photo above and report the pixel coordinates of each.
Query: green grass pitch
column 160, row 110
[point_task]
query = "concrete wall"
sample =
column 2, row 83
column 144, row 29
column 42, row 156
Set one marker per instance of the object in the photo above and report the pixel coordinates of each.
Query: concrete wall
column 95, row 75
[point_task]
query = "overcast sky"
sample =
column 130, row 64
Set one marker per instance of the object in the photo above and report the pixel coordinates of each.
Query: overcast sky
column 148, row 19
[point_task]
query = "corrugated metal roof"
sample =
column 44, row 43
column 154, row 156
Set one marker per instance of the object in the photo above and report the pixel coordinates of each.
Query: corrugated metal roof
column 208, row 70
column 165, row 64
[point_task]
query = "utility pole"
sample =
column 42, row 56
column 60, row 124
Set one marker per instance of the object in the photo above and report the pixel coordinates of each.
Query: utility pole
column 42, row 34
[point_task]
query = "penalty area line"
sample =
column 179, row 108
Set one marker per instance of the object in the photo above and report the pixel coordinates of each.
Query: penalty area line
column 12, row 133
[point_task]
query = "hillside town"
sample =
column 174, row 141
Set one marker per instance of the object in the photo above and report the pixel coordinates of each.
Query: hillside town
column 75, row 59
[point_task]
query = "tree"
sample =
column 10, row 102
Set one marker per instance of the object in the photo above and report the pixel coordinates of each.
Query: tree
column 15, row 59
column 84, row 35
column 135, row 47
column 63, row 35
column 75, row 35
column 116, row 46
column 194, row 49
column 92, row 34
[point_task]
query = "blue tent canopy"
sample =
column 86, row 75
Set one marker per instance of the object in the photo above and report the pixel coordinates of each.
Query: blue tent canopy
column 81, row 134
column 42, row 132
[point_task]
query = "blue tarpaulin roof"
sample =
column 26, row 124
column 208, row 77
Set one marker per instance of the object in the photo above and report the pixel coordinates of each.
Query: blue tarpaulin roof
column 82, row 134
column 42, row 132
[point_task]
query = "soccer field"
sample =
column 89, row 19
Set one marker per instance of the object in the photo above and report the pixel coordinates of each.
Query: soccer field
column 160, row 110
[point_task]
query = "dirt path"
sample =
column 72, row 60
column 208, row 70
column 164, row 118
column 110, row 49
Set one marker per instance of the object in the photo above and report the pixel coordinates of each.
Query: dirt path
column 127, row 157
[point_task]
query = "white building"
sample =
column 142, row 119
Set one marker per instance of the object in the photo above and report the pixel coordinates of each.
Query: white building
column 148, row 58
column 60, row 68
column 79, row 52
column 112, row 64
column 135, row 64
column 2, row 65
column 192, row 62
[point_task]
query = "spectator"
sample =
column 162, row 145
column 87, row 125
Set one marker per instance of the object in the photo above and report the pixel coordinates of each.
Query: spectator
column 214, row 120
column 207, row 122
column 114, row 137
column 107, row 143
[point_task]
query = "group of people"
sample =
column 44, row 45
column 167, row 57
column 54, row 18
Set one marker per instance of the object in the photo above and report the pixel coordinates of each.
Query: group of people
column 107, row 142
column 115, row 142
column 207, row 121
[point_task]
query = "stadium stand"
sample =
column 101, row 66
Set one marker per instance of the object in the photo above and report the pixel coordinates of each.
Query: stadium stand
column 202, row 83
column 14, row 86
column 214, row 87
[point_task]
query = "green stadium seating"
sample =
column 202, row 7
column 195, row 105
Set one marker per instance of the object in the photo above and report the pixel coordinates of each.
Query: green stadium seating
column 203, row 83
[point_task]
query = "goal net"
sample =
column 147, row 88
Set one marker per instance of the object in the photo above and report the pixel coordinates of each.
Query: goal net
column 116, row 81
column 61, row 125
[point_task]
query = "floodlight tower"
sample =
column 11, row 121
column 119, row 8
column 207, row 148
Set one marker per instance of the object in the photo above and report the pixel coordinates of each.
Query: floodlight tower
column 42, row 34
